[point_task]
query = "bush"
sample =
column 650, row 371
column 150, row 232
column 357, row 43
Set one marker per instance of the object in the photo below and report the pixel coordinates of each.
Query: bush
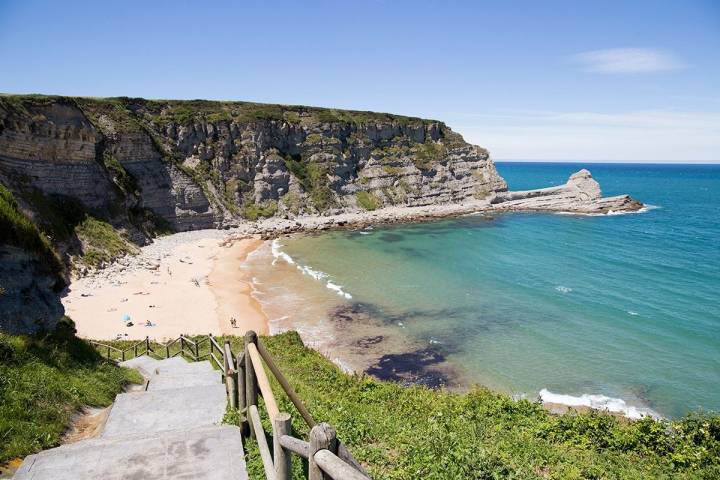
column 101, row 243
column 367, row 200
column 253, row 211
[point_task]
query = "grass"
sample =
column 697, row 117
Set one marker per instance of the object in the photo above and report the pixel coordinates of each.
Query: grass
column 253, row 211
column 101, row 243
column 120, row 176
column 367, row 200
column 18, row 230
column 412, row 432
column 43, row 381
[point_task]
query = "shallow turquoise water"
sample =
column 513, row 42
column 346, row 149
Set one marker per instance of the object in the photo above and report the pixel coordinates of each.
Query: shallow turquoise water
column 622, row 306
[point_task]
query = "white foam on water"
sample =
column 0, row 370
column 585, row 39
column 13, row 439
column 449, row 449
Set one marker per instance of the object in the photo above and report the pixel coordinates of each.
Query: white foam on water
column 630, row 312
column 278, row 254
column 365, row 233
column 597, row 402
column 563, row 289
column 338, row 289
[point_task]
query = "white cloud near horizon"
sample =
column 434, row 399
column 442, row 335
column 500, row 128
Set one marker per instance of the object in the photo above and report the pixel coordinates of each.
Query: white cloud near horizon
column 641, row 136
column 627, row 60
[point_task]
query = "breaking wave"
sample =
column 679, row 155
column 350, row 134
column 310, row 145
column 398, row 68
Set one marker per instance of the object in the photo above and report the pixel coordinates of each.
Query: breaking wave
column 278, row 254
column 597, row 402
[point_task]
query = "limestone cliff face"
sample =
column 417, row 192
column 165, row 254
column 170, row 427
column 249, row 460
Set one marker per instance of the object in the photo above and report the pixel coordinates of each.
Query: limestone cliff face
column 29, row 299
column 200, row 164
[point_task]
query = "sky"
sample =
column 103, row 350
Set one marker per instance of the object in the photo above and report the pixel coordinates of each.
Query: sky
column 635, row 81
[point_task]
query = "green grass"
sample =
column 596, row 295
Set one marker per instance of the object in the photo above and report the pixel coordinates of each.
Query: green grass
column 18, row 230
column 367, row 200
column 253, row 211
column 101, row 243
column 43, row 380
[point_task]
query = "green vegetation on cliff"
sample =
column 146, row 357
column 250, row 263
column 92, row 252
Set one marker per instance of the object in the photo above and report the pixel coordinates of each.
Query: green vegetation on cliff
column 44, row 380
column 18, row 230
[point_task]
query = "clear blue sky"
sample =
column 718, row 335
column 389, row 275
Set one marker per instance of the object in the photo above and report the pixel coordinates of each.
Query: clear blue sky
column 575, row 80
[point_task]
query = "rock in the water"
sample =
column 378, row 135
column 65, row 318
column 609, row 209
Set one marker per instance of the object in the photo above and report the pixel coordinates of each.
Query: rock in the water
column 581, row 194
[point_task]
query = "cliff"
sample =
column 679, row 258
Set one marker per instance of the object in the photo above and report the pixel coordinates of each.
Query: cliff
column 201, row 164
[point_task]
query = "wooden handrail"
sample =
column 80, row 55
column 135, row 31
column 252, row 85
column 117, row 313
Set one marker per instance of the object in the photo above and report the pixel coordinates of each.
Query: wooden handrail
column 292, row 395
column 262, row 443
column 334, row 466
column 263, row 382
column 295, row 445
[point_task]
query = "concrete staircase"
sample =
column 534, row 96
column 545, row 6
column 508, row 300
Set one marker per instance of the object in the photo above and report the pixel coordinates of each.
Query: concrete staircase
column 171, row 430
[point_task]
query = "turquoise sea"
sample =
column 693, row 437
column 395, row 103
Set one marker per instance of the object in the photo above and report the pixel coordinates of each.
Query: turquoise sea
column 619, row 311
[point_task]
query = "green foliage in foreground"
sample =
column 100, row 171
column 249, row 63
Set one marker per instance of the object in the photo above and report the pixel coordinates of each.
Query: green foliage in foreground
column 43, row 380
column 401, row 432
column 18, row 230
column 408, row 433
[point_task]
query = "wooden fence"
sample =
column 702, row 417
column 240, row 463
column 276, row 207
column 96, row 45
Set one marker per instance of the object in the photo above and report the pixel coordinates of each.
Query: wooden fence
column 245, row 379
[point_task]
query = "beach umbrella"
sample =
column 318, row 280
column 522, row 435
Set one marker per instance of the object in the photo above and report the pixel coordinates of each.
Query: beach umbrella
column 126, row 318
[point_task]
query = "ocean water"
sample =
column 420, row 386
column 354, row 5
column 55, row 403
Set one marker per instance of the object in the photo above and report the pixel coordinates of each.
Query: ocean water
column 619, row 312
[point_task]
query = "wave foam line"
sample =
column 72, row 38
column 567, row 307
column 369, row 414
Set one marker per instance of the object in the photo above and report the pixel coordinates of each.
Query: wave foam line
column 597, row 402
column 278, row 254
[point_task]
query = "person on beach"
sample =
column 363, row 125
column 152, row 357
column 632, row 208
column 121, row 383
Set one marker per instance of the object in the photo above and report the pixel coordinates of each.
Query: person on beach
column 233, row 322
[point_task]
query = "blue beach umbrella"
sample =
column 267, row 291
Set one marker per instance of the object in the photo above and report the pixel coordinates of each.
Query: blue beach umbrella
column 126, row 318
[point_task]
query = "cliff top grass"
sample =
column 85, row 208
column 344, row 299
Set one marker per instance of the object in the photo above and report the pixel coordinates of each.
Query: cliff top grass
column 44, row 379
column 413, row 432
column 125, row 110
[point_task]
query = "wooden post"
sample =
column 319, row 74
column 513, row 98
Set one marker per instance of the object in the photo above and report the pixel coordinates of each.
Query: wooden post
column 108, row 353
column 281, row 426
column 250, row 380
column 230, row 376
column 242, row 403
column 147, row 345
column 123, row 355
column 167, row 350
column 322, row 437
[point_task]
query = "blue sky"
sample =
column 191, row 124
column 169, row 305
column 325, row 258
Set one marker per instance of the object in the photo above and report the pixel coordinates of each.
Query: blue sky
column 576, row 80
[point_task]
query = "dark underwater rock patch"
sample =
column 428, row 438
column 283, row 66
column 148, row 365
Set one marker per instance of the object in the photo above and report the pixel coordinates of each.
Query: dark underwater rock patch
column 367, row 342
column 411, row 368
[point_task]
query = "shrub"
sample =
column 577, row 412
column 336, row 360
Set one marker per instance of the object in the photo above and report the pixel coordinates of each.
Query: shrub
column 101, row 243
column 253, row 211
column 367, row 200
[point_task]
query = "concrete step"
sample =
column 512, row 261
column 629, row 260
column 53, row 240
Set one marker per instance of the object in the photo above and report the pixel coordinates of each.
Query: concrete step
column 144, row 364
column 184, row 379
column 179, row 365
column 205, row 453
column 163, row 410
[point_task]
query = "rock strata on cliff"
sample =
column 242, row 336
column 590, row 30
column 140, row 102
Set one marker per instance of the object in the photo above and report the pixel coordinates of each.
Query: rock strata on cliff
column 199, row 164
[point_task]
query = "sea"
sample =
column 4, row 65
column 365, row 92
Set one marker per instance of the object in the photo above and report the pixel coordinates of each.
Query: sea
column 618, row 312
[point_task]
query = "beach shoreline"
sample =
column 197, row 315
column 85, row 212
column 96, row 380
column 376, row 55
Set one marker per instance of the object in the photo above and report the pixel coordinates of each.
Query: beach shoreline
column 190, row 283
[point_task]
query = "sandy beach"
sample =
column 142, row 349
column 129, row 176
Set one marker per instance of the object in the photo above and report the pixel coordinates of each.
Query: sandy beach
column 183, row 284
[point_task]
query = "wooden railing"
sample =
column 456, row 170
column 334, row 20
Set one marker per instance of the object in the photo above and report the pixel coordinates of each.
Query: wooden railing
column 245, row 379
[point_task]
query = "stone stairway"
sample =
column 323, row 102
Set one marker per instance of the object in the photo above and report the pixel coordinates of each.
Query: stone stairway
column 173, row 429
